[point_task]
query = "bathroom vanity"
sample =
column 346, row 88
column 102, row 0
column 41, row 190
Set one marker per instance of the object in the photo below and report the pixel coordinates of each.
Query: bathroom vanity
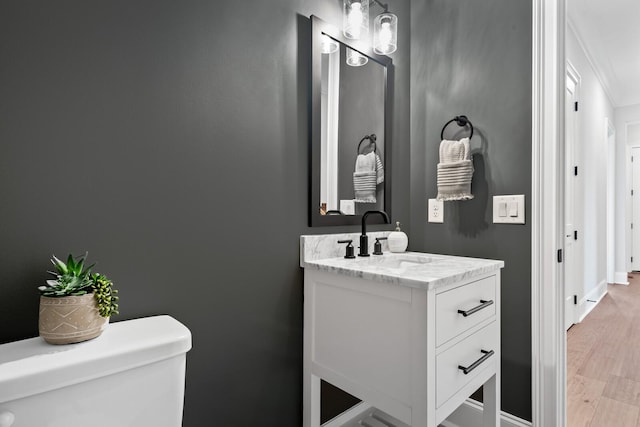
column 412, row 335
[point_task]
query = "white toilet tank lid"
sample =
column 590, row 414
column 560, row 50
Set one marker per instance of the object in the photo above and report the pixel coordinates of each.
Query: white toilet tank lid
column 32, row 366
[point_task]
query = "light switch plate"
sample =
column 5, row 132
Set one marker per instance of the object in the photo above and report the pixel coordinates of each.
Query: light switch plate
column 436, row 211
column 514, row 209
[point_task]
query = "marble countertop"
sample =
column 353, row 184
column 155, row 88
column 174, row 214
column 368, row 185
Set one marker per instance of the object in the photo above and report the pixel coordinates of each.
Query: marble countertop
column 413, row 269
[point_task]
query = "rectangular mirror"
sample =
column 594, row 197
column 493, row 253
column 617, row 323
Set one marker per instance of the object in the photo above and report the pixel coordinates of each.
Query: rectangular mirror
column 350, row 129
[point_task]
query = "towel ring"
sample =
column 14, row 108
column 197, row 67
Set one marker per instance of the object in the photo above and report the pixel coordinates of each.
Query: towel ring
column 461, row 121
column 371, row 138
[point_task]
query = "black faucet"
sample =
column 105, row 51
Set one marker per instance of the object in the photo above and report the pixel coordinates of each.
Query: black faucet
column 364, row 239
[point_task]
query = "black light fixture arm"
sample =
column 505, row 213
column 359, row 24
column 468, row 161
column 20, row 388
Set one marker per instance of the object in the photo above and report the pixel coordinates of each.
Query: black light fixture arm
column 384, row 6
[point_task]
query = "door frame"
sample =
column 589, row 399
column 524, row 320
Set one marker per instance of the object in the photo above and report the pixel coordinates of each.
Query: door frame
column 548, row 337
column 628, row 203
column 629, row 198
column 571, row 315
column 610, row 144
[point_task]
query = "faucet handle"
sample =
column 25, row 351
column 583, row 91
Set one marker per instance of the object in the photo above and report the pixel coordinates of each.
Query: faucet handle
column 349, row 248
column 377, row 246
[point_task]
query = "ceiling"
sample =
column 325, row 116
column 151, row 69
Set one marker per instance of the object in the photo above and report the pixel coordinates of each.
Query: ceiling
column 610, row 32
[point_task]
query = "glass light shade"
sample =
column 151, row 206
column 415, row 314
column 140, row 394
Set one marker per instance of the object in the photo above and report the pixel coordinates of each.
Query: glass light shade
column 355, row 58
column 355, row 19
column 385, row 33
column 329, row 45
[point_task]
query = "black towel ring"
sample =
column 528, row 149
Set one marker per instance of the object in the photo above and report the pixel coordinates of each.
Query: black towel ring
column 461, row 121
column 371, row 138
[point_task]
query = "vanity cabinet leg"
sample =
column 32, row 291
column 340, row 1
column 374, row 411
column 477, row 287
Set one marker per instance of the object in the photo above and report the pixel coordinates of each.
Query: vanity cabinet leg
column 311, row 401
column 491, row 406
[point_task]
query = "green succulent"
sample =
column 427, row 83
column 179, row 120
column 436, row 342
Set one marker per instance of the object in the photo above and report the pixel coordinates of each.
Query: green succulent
column 73, row 279
column 105, row 295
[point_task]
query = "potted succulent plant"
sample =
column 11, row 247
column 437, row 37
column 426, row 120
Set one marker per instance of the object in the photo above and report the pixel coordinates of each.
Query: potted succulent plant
column 76, row 305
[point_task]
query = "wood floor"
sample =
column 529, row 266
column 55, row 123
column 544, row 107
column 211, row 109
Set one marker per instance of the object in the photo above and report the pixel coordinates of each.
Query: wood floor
column 603, row 362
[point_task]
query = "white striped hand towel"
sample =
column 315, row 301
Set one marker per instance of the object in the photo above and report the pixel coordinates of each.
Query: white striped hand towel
column 455, row 171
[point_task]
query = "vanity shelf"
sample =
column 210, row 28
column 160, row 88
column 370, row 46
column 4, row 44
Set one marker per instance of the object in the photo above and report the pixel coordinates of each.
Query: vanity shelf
column 413, row 335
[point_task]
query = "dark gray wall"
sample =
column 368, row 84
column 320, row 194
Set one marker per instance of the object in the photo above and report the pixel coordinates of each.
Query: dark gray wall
column 474, row 58
column 169, row 139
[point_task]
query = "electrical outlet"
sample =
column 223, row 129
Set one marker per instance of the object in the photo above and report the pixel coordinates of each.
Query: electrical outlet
column 436, row 211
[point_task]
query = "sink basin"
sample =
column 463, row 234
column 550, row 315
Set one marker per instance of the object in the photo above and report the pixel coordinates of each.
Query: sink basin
column 395, row 261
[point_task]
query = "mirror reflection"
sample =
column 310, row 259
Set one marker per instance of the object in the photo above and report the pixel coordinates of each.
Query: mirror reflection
column 350, row 140
column 352, row 133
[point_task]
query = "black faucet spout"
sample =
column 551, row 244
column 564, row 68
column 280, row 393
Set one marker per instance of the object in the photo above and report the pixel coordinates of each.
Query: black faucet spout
column 364, row 239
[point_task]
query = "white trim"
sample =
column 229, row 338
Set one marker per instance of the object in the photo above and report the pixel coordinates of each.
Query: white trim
column 610, row 144
column 572, row 261
column 332, row 134
column 470, row 412
column 621, row 278
column 574, row 74
column 547, row 310
column 624, row 211
column 592, row 299
column 628, row 198
column 596, row 69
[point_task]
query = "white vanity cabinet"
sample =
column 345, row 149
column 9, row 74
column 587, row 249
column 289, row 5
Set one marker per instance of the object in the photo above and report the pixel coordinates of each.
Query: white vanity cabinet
column 414, row 340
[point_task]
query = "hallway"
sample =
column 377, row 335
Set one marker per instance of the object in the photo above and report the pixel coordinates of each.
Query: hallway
column 603, row 361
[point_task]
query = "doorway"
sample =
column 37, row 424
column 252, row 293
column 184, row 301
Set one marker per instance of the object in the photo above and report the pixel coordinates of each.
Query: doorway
column 548, row 306
column 635, row 207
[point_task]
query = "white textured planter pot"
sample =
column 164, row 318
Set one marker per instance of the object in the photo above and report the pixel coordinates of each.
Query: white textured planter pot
column 68, row 320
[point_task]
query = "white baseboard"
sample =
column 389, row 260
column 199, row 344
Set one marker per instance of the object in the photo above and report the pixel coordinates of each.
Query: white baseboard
column 468, row 413
column 621, row 278
column 592, row 299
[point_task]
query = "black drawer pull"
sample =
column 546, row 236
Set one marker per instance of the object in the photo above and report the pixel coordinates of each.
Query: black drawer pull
column 477, row 308
column 485, row 355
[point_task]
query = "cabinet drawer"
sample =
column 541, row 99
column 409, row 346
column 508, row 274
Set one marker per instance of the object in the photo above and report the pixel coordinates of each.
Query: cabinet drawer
column 472, row 353
column 477, row 302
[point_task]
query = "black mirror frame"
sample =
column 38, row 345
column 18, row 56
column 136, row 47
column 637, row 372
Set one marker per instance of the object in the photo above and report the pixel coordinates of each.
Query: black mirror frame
column 319, row 27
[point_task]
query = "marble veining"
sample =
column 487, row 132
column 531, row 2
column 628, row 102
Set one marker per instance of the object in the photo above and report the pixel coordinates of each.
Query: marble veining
column 413, row 269
column 322, row 246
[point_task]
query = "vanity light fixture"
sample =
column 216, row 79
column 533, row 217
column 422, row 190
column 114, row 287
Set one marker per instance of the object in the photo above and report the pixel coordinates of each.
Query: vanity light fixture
column 355, row 58
column 329, row 45
column 385, row 33
column 355, row 19
column 355, row 25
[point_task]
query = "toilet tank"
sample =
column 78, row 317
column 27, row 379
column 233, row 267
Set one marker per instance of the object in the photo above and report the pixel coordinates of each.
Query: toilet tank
column 132, row 375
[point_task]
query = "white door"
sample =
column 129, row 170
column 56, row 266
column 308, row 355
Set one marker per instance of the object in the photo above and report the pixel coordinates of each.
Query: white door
column 635, row 203
column 571, row 121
